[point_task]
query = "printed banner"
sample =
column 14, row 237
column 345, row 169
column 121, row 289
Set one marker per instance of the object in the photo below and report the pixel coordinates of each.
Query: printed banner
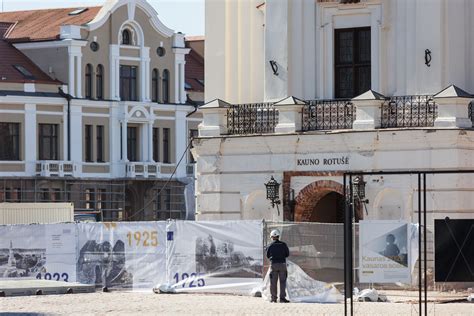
column 384, row 251
column 61, row 241
column 22, row 251
column 122, row 255
column 224, row 257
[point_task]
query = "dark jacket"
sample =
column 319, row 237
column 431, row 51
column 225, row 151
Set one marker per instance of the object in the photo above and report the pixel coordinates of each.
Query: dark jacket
column 277, row 252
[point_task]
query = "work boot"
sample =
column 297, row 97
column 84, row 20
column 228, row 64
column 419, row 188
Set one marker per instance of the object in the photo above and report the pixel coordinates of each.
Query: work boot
column 284, row 300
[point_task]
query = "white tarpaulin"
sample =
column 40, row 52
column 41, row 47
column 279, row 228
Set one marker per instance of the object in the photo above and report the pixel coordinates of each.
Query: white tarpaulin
column 301, row 288
column 385, row 251
column 218, row 256
column 122, row 255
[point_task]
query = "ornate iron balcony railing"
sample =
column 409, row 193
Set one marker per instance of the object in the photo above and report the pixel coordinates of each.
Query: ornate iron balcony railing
column 409, row 111
column 257, row 118
column 328, row 115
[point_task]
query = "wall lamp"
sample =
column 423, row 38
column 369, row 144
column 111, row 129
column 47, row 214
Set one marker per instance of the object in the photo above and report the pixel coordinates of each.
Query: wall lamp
column 273, row 192
column 358, row 189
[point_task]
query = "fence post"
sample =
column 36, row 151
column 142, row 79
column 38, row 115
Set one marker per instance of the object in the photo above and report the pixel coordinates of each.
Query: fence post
column 214, row 122
column 289, row 115
column 453, row 108
column 368, row 110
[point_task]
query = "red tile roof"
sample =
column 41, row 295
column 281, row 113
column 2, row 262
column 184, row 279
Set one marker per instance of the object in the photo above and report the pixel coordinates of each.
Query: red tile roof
column 12, row 56
column 194, row 71
column 43, row 25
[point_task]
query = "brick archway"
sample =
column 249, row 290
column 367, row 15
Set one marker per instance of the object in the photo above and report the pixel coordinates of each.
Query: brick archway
column 309, row 197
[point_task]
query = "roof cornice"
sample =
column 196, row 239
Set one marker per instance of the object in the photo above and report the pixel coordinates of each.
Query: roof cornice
column 112, row 5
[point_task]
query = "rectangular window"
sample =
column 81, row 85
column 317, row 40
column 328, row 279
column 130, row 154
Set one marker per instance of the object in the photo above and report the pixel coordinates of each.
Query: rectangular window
column 56, row 194
column 352, row 66
column 9, row 141
column 88, row 143
column 101, row 199
column 44, row 195
column 167, row 199
column 156, row 144
column 166, row 145
column 48, row 142
column 192, row 134
column 128, row 83
column 132, row 143
column 100, row 143
column 90, row 199
column 12, row 195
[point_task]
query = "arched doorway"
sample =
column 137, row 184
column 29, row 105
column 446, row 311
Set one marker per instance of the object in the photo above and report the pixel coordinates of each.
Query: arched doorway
column 321, row 201
column 329, row 209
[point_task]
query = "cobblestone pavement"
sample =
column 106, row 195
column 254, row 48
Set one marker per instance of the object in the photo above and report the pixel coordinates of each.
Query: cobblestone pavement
column 128, row 303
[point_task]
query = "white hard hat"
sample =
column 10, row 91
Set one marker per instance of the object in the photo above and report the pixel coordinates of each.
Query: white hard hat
column 275, row 233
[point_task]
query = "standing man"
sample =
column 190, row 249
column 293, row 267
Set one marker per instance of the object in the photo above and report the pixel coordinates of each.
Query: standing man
column 277, row 252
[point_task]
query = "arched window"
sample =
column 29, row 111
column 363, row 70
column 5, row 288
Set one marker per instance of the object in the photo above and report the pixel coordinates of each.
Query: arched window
column 166, row 86
column 88, row 81
column 99, row 82
column 126, row 37
column 154, row 85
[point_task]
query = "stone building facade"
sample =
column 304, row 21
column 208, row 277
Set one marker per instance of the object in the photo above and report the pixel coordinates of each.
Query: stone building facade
column 93, row 110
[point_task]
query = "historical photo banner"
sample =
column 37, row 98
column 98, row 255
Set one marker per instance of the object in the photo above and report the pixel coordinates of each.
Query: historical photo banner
column 219, row 256
column 384, row 251
column 122, row 255
column 22, row 251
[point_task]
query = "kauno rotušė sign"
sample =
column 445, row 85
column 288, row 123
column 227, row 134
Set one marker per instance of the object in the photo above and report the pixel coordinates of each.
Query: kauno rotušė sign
column 324, row 161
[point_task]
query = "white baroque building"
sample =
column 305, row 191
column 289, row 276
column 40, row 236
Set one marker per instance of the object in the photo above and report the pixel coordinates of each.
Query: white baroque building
column 118, row 127
column 305, row 90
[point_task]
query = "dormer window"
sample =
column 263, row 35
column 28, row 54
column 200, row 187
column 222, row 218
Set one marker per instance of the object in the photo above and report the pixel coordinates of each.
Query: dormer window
column 126, row 37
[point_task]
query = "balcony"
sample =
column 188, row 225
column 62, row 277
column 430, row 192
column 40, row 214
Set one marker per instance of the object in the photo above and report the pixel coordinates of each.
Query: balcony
column 143, row 170
column 56, row 168
column 450, row 108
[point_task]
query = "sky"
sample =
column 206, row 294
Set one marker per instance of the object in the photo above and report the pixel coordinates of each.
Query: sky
column 186, row 16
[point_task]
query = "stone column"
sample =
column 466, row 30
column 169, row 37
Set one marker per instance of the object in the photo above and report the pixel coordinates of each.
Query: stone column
column 145, row 74
column 180, row 141
column 124, row 140
column 150, row 141
column 30, row 139
column 214, row 122
column 79, row 75
column 289, row 115
column 368, row 110
column 71, row 72
column 453, row 108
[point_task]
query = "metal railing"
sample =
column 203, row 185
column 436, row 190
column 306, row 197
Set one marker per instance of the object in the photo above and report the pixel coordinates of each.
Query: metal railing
column 409, row 111
column 258, row 118
column 55, row 168
column 328, row 115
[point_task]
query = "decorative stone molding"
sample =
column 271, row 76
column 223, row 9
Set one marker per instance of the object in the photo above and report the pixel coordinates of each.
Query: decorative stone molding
column 289, row 115
column 368, row 113
column 453, row 108
column 214, row 121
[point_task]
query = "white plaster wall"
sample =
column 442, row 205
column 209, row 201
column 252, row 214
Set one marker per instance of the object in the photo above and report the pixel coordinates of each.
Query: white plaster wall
column 230, row 170
column 298, row 35
column 234, row 51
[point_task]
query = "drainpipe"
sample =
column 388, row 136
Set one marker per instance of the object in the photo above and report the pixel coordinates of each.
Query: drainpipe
column 68, row 97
